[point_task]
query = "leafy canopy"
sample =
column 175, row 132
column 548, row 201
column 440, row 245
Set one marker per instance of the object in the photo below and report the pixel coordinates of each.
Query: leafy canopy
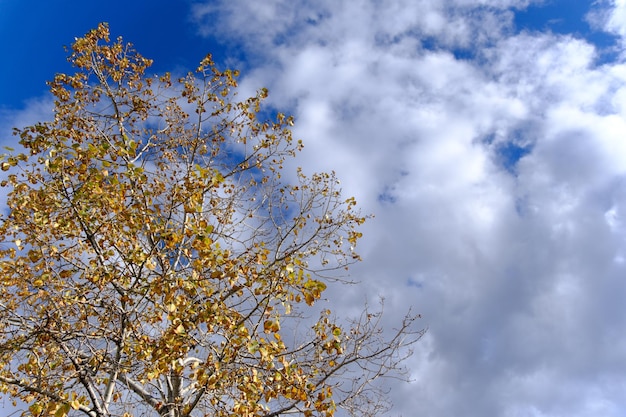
column 155, row 261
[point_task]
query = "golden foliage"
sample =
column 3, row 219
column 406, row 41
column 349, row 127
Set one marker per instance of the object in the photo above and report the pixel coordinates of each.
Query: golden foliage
column 156, row 260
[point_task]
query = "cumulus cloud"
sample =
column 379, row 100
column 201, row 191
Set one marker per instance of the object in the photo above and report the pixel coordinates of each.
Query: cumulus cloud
column 610, row 16
column 617, row 18
column 495, row 163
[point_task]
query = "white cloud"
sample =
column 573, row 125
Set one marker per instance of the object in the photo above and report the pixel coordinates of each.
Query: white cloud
column 616, row 21
column 610, row 16
column 35, row 110
column 517, row 267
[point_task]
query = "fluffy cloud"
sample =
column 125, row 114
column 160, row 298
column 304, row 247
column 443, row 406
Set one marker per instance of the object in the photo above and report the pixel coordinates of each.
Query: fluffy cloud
column 615, row 17
column 495, row 164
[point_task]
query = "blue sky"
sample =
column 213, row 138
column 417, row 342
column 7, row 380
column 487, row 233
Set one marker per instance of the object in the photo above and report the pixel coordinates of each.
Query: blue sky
column 488, row 138
column 34, row 33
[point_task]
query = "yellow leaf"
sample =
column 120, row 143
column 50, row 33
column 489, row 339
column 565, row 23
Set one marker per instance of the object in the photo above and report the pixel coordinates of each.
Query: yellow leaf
column 309, row 299
column 65, row 273
column 36, row 408
column 150, row 264
column 62, row 410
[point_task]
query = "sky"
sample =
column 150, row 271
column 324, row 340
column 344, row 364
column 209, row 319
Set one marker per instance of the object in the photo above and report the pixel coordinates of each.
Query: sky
column 488, row 138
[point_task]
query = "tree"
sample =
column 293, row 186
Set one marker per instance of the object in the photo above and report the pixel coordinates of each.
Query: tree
column 155, row 261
